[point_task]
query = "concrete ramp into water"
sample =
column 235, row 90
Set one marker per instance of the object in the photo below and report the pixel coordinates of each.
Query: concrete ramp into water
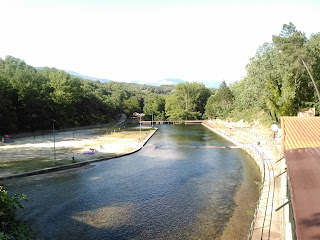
column 220, row 147
column 194, row 147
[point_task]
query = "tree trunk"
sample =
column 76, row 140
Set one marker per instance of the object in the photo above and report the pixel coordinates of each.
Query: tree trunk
column 314, row 83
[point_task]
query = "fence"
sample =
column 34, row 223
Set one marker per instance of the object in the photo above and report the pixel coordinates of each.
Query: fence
column 266, row 189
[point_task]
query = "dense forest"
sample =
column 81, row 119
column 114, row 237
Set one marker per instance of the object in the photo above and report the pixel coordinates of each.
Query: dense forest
column 31, row 98
column 279, row 82
column 279, row 78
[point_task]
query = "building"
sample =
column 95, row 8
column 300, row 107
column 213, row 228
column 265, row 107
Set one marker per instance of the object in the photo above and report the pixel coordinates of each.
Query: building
column 301, row 149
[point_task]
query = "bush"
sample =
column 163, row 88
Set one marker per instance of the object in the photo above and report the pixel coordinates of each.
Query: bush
column 10, row 227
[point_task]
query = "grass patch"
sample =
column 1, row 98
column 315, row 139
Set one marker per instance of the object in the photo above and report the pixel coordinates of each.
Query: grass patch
column 250, row 213
column 133, row 132
column 64, row 154
column 26, row 165
column 64, row 162
column 259, row 185
column 250, row 115
column 136, row 128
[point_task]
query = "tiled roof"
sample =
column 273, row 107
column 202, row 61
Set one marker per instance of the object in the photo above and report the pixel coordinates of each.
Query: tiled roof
column 300, row 132
column 301, row 147
column 303, row 169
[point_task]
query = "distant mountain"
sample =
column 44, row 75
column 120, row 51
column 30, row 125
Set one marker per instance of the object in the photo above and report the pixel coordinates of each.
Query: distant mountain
column 80, row 75
column 171, row 81
column 86, row 77
column 174, row 81
column 167, row 81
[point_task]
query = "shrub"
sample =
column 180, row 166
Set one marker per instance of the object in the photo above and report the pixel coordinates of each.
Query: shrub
column 10, row 226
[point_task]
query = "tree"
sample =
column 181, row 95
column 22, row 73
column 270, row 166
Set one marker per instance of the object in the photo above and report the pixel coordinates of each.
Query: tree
column 187, row 102
column 31, row 97
column 25, row 94
column 277, row 80
column 8, row 115
column 154, row 104
column 220, row 104
column 131, row 105
column 312, row 54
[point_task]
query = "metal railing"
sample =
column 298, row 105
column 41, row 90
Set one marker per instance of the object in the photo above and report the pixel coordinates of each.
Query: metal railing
column 291, row 216
column 251, row 136
column 259, row 156
column 249, row 140
column 267, row 165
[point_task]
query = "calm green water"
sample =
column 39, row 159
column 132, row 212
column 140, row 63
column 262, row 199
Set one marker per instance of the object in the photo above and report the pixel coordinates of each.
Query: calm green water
column 176, row 187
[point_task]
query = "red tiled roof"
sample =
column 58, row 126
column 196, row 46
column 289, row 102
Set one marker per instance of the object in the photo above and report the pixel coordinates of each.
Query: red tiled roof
column 301, row 147
column 300, row 132
column 304, row 176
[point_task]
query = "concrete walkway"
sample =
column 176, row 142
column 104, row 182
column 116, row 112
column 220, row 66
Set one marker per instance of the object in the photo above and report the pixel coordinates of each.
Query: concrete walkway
column 267, row 223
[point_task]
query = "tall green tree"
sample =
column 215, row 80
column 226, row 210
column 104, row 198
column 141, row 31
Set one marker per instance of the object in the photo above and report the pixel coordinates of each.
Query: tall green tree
column 131, row 105
column 154, row 105
column 187, row 102
column 278, row 81
column 220, row 104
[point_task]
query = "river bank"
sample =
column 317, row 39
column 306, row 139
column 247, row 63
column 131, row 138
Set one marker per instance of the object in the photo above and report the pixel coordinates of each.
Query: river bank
column 30, row 155
column 265, row 223
column 180, row 186
column 242, row 216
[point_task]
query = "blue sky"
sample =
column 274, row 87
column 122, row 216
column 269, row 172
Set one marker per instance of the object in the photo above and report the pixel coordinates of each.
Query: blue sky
column 194, row 40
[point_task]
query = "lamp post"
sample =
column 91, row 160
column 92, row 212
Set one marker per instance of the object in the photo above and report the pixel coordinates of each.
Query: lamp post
column 152, row 119
column 140, row 115
column 274, row 128
column 140, row 127
column 54, row 142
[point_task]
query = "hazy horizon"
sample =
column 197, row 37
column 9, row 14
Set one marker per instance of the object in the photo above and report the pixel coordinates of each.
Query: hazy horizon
column 148, row 41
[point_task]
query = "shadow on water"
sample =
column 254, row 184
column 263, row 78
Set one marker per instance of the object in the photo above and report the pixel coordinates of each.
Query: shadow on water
column 161, row 192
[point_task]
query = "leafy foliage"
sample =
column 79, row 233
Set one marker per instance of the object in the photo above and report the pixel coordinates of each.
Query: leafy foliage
column 277, row 81
column 31, row 98
column 154, row 104
column 220, row 104
column 10, row 227
column 131, row 105
column 187, row 102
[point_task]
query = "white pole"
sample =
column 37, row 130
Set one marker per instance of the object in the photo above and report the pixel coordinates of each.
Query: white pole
column 140, row 127
column 152, row 119
column 54, row 142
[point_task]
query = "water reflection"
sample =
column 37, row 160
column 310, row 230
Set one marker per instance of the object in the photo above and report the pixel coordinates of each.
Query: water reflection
column 165, row 191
